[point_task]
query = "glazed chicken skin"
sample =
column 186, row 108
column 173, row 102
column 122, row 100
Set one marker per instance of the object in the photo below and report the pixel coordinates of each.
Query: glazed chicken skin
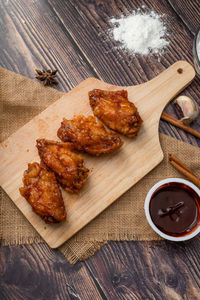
column 115, row 111
column 66, row 164
column 89, row 135
column 42, row 192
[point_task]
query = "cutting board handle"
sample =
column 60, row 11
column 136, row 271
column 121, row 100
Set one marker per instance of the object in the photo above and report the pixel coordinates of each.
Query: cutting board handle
column 164, row 87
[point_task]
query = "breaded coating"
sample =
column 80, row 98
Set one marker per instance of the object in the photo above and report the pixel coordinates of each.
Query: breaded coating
column 89, row 135
column 64, row 162
column 115, row 111
column 42, row 192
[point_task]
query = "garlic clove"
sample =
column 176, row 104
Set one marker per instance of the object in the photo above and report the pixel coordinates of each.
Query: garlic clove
column 189, row 108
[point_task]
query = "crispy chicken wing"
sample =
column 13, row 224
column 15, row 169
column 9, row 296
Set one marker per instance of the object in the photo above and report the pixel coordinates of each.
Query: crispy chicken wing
column 114, row 109
column 66, row 164
column 42, row 192
column 89, row 135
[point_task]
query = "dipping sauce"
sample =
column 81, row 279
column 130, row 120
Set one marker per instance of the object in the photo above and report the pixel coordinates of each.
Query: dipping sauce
column 175, row 209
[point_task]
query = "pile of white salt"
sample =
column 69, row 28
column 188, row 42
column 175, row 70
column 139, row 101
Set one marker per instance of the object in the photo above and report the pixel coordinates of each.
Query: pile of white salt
column 141, row 33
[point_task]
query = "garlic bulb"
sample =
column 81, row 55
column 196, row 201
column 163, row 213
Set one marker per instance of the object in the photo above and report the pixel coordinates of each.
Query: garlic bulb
column 189, row 108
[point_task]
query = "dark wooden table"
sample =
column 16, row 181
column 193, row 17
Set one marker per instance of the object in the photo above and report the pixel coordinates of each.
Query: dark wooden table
column 72, row 37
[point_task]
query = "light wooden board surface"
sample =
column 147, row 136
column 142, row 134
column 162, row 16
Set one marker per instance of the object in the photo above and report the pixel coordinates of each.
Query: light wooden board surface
column 111, row 175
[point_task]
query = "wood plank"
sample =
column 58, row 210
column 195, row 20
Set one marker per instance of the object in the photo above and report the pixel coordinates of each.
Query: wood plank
column 117, row 66
column 125, row 270
column 188, row 11
column 118, row 171
column 37, row 272
column 147, row 270
column 32, row 37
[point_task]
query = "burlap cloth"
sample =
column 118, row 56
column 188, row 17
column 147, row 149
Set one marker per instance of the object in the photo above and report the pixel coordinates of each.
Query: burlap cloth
column 23, row 98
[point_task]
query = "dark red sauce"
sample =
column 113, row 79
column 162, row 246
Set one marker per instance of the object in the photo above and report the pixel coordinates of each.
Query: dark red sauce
column 175, row 209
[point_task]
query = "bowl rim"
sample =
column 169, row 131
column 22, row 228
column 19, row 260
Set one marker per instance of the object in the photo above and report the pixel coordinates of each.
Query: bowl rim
column 147, row 212
column 195, row 47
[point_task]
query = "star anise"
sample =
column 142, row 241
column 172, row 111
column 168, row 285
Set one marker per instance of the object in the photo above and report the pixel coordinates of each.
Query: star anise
column 47, row 77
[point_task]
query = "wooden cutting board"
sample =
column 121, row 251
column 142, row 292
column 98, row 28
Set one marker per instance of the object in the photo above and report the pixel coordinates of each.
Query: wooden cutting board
column 111, row 175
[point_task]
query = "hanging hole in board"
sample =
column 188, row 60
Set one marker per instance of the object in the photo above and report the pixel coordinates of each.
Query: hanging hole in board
column 180, row 71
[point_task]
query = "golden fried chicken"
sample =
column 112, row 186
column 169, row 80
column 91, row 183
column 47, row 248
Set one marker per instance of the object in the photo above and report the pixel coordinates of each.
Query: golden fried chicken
column 114, row 109
column 42, row 192
column 89, row 135
column 66, row 164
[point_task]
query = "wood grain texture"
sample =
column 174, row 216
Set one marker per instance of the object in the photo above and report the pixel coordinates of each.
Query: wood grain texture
column 117, row 172
column 147, row 271
column 37, row 272
column 187, row 11
column 120, row 270
column 34, row 38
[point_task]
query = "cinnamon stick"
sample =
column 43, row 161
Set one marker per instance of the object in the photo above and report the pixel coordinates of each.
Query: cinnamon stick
column 179, row 162
column 181, row 167
column 179, row 124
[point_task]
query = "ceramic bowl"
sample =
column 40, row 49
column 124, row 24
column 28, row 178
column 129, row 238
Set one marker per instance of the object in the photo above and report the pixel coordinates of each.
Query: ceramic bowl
column 147, row 212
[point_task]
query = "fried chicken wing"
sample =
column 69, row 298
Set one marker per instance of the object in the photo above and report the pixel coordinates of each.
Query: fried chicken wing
column 114, row 110
column 89, row 135
column 66, row 164
column 42, row 192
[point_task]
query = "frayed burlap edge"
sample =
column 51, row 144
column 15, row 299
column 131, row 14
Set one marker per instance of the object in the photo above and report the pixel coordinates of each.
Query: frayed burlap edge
column 21, row 241
column 76, row 251
column 87, row 250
